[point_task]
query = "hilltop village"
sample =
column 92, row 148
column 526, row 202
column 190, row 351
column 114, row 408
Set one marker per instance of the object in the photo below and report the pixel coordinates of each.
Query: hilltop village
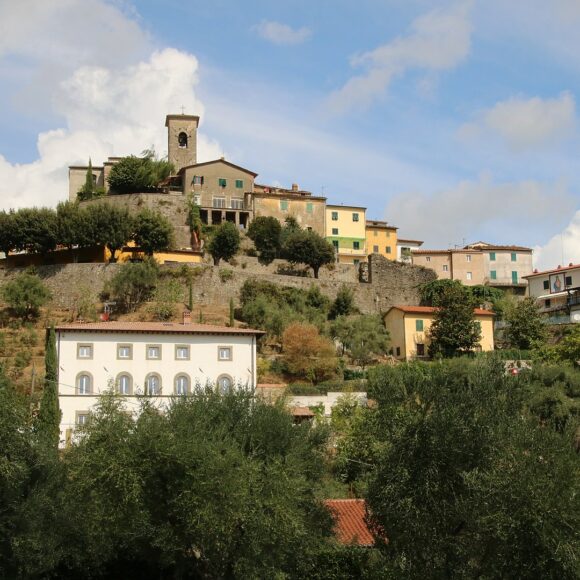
column 189, row 358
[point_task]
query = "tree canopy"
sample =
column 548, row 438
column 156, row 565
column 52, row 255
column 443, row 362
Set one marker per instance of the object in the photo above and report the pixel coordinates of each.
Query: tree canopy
column 139, row 174
column 525, row 326
column 25, row 294
column 224, row 243
column 153, row 232
column 308, row 247
column 266, row 233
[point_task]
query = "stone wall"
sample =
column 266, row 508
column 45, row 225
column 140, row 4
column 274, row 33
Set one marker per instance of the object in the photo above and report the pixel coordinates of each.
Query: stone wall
column 390, row 283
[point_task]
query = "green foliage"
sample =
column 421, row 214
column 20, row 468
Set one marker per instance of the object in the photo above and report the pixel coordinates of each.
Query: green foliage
column 232, row 310
column 307, row 247
column 167, row 295
column 194, row 222
column 226, row 274
column 70, row 223
column 432, row 292
column 364, row 337
column 525, row 325
column 568, row 348
column 89, row 190
column 139, row 174
column 36, row 230
column 107, row 225
column 133, row 284
column 266, row 233
column 454, row 329
column 8, row 232
column 224, row 243
column 25, row 294
column 343, row 304
column 152, row 232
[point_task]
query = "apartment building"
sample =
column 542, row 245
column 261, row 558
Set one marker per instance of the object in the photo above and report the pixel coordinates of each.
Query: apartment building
column 464, row 265
column 381, row 238
column 346, row 230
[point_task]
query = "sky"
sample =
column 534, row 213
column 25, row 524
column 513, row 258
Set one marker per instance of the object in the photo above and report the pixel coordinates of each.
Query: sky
column 454, row 120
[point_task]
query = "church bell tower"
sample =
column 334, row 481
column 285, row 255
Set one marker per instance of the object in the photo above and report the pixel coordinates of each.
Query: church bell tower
column 182, row 140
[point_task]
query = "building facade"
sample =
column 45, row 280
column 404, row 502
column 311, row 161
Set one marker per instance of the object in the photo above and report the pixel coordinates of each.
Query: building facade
column 159, row 360
column 464, row 265
column 381, row 238
column 557, row 292
column 409, row 326
column 346, row 231
column 405, row 249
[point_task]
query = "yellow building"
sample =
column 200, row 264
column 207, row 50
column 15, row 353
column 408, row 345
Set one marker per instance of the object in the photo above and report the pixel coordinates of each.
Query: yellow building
column 346, row 230
column 408, row 327
column 381, row 239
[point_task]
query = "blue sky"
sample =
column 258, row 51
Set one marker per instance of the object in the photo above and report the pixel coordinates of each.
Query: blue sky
column 454, row 120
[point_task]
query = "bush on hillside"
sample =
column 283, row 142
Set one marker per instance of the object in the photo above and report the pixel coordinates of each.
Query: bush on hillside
column 25, row 295
column 133, row 284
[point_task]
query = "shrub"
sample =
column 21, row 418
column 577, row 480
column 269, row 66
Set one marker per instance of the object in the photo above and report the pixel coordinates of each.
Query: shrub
column 25, row 295
column 224, row 243
column 138, row 174
column 226, row 274
column 133, row 284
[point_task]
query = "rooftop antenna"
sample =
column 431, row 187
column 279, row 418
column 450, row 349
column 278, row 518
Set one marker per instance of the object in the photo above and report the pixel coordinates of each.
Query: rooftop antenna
column 182, row 110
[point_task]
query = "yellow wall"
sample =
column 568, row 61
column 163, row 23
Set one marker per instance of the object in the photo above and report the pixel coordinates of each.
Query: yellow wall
column 349, row 232
column 380, row 240
column 402, row 327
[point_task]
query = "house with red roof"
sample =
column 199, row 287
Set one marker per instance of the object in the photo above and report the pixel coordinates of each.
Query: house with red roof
column 350, row 526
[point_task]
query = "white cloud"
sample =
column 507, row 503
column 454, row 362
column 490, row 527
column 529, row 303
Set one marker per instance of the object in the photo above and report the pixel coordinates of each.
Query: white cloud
column 505, row 212
column 527, row 123
column 107, row 112
column 561, row 249
column 438, row 41
column 279, row 33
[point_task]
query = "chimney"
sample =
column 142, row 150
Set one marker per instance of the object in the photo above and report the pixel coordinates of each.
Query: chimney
column 186, row 317
column 294, row 187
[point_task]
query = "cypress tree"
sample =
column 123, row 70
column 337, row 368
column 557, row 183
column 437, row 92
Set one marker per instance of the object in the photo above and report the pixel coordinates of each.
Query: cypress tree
column 48, row 420
column 89, row 183
column 231, row 312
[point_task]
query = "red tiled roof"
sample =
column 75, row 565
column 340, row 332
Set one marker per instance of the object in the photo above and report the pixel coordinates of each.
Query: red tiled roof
column 486, row 246
column 454, row 250
column 154, row 327
column 349, row 521
column 558, row 269
column 431, row 310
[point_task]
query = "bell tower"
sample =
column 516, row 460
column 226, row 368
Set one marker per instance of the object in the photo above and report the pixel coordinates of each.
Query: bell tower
column 182, row 140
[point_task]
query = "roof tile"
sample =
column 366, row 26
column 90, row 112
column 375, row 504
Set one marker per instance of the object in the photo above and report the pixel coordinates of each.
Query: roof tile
column 350, row 526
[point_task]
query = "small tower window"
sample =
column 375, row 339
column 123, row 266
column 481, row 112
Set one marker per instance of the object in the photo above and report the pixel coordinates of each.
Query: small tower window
column 182, row 140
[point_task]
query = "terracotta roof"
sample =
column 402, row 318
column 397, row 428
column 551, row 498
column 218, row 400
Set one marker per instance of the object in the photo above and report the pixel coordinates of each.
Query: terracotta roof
column 154, row 327
column 554, row 270
column 431, row 310
column 401, row 240
column 221, row 160
column 301, row 412
column 379, row 224
column 349, row 521
column 486, row 246
column 454, row 250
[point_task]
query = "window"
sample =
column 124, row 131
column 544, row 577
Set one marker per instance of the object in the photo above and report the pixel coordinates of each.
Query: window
column 514, row 277
column 419, row 325
column 152, row 384
column 398, row 351
column 237, row 203
column 375, row 233
column 181, row 385
column 493, row 275
column 124, row 384
column 222, row 182
column 309, row 207
column 198, row 180
column 283, row 205
column 356, row 245
column 82, row 418
column 219, row 202
column 153, row 351
column 445, row 268
column 335, row 244
column 355, row 217
column 427, row 258
column 514, row 257
column 182, row 140
column 84, row 384
column 124, row 352
column 376, row 249
column 356, row 262
column 469, row 276
column 334, row 216
column 468, row 258
column 224, row 353
column 420, row 349
column 568, row 281
column 224, row 384
column 388, row 249
column 94, row 179
column 492, row 256
column 85, row 351
column 239, row 184
column 181, row 352
column 546, row 284
column 388, row 234
column 547, row 303
column 335, row 231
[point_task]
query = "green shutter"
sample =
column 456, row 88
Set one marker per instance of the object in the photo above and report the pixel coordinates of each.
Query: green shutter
column 283, row 205
column 240, row 183
column 493, row 275
column 355, row 246
column 309, row 207
column 419, row 325
column 492, row 256
column 514, row 277
column 222, row 182
column 514, row 257
column 334, row 216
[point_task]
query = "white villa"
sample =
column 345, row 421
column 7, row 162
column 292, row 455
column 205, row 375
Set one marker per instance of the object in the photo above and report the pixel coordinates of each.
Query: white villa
column 158, row 359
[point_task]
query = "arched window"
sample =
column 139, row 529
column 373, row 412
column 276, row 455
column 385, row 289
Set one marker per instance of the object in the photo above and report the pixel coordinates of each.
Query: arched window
column 153, row 384
column 181, row 385
column 125, row 384
column 182, row 140
column 224, row 384
column 84, row 384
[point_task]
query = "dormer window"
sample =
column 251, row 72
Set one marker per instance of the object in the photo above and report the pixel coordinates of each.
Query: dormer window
column 182, row 140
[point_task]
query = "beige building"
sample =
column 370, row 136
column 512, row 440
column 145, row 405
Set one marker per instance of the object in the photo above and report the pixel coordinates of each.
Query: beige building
column 346, row 230
column 464, row 265
column 381, row 238
column 307, row 209
column 409, row 326
column 405, row 248
column 557, row 292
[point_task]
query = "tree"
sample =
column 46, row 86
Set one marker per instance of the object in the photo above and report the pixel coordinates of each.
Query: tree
column 134, row 283
column 525, row 325
column 108, row 225
column 307, row 354
column 569, row 347
column 70, row 224
column 307, row 247
column 8, row 232
column 89, row 190
column 194, row 222
column 25, row 294
column 225, row 242
column 343, row 304
column 265, row 232
column 139, row 174
column 432, row 292
column 153, row 232
column 37, row 230
column 48, row 418
column 454, row 329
